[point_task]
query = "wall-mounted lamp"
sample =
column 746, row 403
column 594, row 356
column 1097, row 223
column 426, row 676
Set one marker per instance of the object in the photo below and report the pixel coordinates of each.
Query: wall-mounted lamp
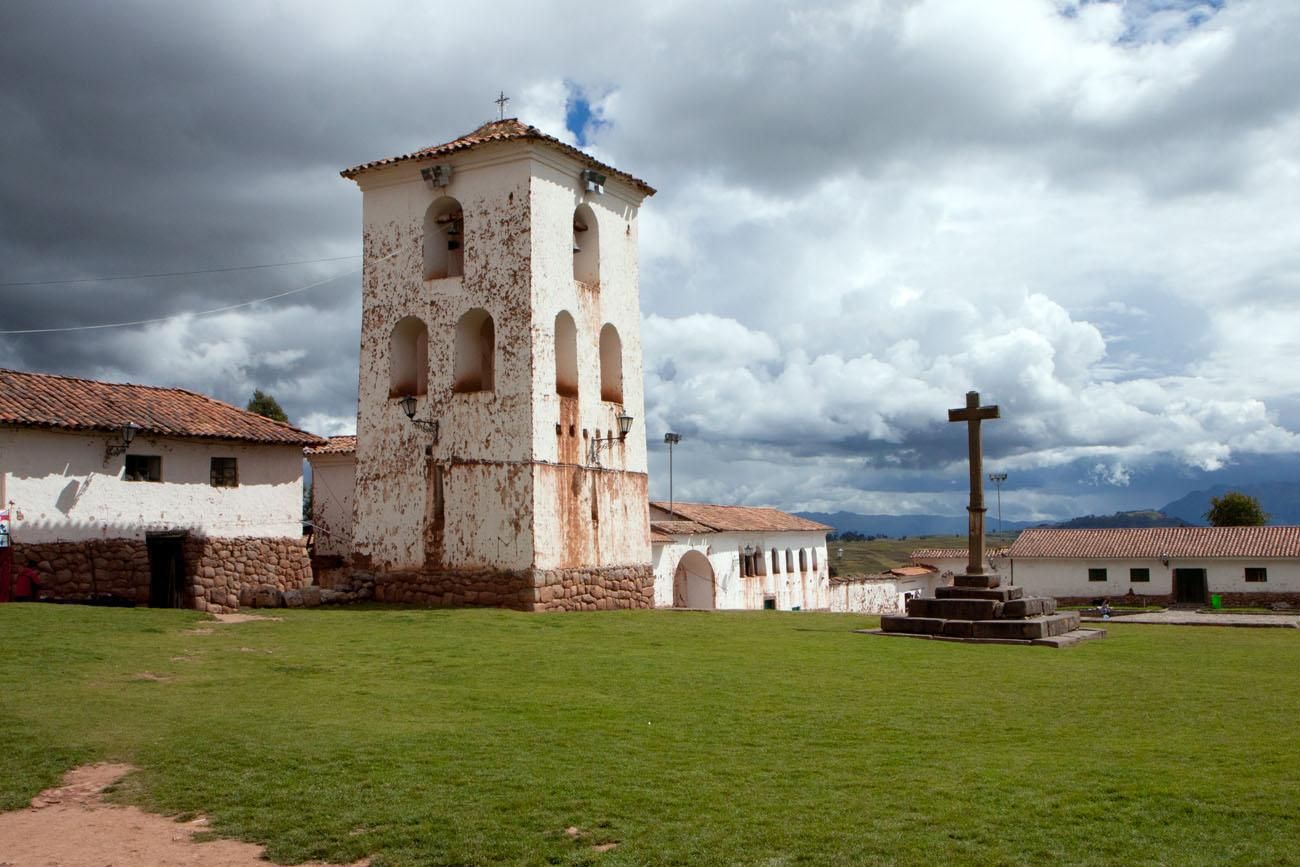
column 1164, row 559
column 129, row 431
column 436, row 176
column 624, row 426
column 593, row 181
column 408, row 407
column 749, row 550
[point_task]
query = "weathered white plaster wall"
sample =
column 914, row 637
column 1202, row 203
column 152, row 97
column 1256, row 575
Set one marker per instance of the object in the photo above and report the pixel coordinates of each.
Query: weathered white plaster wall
column 807, row 590
column 66, row 491
column 878, row 595
column 333, row 478
column 1061, row 577
column 498, row 506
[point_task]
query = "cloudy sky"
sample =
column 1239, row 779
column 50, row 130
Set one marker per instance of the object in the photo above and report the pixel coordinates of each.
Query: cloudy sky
column 1088, row 211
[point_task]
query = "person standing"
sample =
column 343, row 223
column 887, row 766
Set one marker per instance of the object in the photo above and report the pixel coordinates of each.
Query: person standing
column 27, row 583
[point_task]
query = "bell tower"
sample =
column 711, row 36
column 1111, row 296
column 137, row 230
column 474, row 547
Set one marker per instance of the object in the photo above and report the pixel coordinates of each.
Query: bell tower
column 501, row 451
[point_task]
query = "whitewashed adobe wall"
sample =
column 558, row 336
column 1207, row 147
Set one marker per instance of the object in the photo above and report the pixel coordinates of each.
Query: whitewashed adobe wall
column 808, row 589
column 333, row 477
column 1069, row 578
column 66, row 492
column 503, row 501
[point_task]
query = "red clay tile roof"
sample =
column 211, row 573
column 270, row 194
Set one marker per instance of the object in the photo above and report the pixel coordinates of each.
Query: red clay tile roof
column 743, row 518
column 679, row 528
column 1154, row 542
column 509, row 129
column 337, row 445
column 912, row 571
column 953, row 553
column 43, row 400
column 660, row 538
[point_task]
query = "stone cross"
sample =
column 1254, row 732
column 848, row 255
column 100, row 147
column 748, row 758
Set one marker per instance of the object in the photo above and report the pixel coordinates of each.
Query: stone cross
column 501, row 105
column 972, row 413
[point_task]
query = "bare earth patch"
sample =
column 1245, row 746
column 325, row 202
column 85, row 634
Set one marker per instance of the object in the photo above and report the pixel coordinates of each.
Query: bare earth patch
column 242, row 618
column 72, row 826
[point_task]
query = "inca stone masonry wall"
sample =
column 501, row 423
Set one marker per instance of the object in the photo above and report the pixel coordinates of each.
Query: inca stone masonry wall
column 525, row 589
column 216, row 569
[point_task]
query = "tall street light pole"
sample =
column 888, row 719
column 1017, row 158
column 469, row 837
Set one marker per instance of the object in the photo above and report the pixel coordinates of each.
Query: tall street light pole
column 997, row 479
column 671, row 439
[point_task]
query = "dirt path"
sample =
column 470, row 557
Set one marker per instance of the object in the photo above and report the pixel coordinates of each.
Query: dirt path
column 72, row 826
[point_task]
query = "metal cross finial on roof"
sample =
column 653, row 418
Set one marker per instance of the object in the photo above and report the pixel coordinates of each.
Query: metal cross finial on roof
column 501, row 105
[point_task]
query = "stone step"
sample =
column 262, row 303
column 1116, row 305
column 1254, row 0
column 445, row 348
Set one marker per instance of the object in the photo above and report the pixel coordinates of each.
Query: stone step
column 911, row 625
column 1028, row 629
column 955, row 609
column 1001, row 594
column 1030, row 606
column 991, row 580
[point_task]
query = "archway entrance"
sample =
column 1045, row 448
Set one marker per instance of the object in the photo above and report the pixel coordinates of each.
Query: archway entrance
column 693, row 582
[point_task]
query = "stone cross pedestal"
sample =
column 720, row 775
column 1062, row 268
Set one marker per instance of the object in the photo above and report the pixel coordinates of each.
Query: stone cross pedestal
column 976, row 607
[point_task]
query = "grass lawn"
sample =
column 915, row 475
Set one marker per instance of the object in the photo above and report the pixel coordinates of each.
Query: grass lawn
column 862, row 558
column 453, row 737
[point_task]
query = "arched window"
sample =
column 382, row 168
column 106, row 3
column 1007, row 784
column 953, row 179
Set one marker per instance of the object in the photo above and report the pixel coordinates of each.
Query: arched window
column 475, row 352
column 586, row 246
column 760, row 563
column 444, row 227
column 814, row 559
column 408, row 358
column 611, row 365
column 566, row 355
column 789, row 561
column 776, row 562
column 803, row 560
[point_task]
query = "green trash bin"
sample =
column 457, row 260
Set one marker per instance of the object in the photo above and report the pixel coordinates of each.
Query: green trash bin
column 1216, row 601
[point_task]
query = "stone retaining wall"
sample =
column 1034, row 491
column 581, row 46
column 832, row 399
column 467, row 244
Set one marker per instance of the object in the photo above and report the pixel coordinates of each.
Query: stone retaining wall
column 216, row 569
column 525, row 589
column 1229, row 600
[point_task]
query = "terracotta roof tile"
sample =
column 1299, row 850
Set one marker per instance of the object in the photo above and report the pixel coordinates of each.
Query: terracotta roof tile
column 43, row 400
column 952, row 553
column 1155, row 542
column 742, row 518
column 509, row 129
column 337, row 445
column 912, row 571
column 679, row 528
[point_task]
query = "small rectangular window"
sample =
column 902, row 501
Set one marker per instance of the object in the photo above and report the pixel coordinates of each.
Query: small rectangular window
column 225, row 473
column 1138, row 576
column 143, row 468
column 1256, row 574
column 1096, row 574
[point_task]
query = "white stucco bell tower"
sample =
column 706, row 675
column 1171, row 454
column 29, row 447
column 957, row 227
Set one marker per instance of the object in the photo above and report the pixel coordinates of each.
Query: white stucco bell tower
column 500, row 303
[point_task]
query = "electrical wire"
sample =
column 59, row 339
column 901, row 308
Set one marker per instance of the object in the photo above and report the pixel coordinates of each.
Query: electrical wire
column 176, row 273
column 201, row 313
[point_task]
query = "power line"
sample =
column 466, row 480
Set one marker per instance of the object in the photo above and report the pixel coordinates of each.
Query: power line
column 177, row 273
column 211, row 312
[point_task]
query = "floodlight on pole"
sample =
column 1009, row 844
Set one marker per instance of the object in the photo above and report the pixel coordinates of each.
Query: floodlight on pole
column 997, row 479
column 671, row 439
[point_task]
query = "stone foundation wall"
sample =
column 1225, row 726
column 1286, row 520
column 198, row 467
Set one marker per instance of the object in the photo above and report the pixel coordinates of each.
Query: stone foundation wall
column 1147, row 599
column 1230, row 600
column 525, row 589
column 1259, row 600
column 97, row 567
column 216, row 569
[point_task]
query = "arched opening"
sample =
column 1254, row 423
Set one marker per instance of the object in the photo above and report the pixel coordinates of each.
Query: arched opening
column 475, row 352
column 693, row 582
column 803, row 560
column 776, row 562
column 586, row 246
column 760, row 563
column 444, row 235
column 789, row 561
column 611, row 365
column 566, row 355
column 408, row 358
column 814, row 559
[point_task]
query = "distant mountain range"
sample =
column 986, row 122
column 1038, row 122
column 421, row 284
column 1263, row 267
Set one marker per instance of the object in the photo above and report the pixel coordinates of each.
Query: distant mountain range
column 1281, row 500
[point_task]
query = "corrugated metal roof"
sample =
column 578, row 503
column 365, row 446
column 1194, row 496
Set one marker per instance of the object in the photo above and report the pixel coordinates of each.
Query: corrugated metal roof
column 1155, row 542
column 42, row 400
column 509, row 129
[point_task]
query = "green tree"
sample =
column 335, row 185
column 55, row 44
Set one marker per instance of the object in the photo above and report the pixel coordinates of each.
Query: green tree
column 1235, row 509
column 263, row 404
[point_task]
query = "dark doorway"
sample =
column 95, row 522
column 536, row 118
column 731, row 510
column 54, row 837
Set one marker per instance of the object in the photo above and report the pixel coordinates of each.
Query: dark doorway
column 166, row 569
column 1190, row 586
